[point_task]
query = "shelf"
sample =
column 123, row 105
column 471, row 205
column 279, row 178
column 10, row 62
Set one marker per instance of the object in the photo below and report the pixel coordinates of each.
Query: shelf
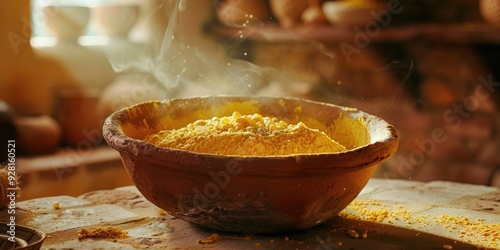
column 468, row 33
column 67, row 158
column 71, row 171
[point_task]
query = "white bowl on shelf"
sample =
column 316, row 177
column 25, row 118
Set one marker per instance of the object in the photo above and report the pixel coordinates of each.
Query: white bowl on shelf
column 66, row 22
column 115, row 20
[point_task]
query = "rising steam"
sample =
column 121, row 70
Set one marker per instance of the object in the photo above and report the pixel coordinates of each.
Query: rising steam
column 175, row 60
column 402, row 69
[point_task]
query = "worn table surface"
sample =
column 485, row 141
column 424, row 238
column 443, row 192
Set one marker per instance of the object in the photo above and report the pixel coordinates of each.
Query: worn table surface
column 388, row 214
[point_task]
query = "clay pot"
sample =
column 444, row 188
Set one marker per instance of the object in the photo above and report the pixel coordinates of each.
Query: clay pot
column 25, row 238
column 79, row 118
column 128, row 90
column 348, row 14
column 250, row 194
column 40, row 134
column 490, row 10
column 313, row 14
column 240, row 13
column 288, row 12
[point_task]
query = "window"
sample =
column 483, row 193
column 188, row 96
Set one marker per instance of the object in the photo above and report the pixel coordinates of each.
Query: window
column 88, row 22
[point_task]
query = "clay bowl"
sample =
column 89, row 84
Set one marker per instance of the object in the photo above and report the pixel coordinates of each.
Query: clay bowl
column 25, row 238
column 251, row 194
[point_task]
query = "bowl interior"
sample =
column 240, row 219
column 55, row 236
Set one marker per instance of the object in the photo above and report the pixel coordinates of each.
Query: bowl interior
column 349, row 127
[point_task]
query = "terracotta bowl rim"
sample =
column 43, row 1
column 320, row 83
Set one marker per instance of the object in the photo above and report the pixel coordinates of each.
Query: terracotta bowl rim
column 378, row 150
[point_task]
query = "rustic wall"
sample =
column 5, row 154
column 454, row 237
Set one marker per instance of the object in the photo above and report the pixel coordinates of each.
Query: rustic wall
column 441, row 99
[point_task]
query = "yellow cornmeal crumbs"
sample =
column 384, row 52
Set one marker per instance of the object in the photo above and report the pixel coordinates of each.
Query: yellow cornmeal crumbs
column 246, row 135
column 214, row 238
column 473, row 228
column 473, row 231
column 101, row 232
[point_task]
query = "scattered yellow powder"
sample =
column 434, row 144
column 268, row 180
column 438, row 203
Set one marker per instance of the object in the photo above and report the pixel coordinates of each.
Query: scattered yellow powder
column 353, row 233
column 364, row 211
column 364, row 235
column 374, row 211
column 246, row 135
column 102, row 232
column 472, row 228
column 447, row 246
column 211, row 239
column 475, row 232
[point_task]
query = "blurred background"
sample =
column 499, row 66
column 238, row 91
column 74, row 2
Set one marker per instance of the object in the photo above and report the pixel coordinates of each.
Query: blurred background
column 431, row 68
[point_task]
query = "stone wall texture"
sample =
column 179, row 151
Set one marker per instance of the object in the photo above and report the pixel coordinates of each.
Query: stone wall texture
column 442, row 99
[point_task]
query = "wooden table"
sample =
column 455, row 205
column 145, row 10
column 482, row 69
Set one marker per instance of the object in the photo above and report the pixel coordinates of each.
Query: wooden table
column 387, row 214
